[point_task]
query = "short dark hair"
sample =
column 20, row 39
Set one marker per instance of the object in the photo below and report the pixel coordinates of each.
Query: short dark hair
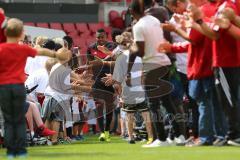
column 57, row 46
column 137, row 6
column 148, row 3
column 69, row 41
column 173, row 2
column 49, row 44
column 116, row 32
column 101, row 30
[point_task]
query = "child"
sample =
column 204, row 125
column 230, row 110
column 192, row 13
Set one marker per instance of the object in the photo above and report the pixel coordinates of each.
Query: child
column 59, row 92
column 12, row 90
column 133, row 96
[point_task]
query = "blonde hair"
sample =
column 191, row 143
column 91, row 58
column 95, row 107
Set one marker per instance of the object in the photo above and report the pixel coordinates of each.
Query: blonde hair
column 59, row 41
column 125, row 39
column 40, row 40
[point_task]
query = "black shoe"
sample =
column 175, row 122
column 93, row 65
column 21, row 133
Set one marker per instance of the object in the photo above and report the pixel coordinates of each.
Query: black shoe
column 131, row 142
column 220, row 142
column 234, row 142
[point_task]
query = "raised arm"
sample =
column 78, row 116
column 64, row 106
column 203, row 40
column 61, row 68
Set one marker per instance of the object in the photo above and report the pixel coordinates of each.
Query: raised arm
column 46, row 52
column 172, row 28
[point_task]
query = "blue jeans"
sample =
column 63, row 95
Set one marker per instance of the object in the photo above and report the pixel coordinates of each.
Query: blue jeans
column 202, row 91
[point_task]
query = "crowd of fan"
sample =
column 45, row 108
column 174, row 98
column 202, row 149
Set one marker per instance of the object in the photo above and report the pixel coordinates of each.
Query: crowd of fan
column 178, row 65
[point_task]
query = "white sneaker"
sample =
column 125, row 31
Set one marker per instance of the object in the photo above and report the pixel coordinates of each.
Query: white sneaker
column 171, row 142
column 180, row 140
column 156, row 143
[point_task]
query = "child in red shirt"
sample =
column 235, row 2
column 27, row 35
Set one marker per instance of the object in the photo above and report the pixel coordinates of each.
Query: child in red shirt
column 13, row 58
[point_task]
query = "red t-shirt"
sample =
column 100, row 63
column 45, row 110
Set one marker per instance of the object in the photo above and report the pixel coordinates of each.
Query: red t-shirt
column 13, row 59
column 2, row 36
column 200, row 50
column 199, row 55
column 225, row 49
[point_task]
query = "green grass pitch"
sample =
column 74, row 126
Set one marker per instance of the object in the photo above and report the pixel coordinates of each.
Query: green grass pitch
column 117, row 149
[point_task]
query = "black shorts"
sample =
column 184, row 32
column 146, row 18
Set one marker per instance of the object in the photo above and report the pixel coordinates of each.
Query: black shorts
column 26, row 106
column 140, row 107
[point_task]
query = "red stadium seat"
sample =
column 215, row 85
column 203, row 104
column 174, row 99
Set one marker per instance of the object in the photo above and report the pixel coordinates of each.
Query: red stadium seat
column 69, row 27
column 56, row 26
column 108, row 30
column 90, row 40
column 82, row 27
column 118, row 23
column 74, row 36
column 86, row 35
column 93, row 27
column 43, row 25
column 29, row 24
column 79, row 42
column 112, row 15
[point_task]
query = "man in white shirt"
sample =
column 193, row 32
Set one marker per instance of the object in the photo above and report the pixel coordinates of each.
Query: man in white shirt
column 147, row 35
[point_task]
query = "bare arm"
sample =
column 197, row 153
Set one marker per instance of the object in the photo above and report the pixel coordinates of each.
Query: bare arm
column 140, row 48
column 80, row 88
column 46, row 52
column 234, row 31
column 207, row 31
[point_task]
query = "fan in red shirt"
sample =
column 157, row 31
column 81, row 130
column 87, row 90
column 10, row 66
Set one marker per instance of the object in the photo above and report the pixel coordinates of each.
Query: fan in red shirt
column 226, row 60
column 200, row 74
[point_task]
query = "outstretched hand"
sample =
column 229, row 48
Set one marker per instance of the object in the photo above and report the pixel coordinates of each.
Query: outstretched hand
column 107, row 80
column 167, row 26
column 165, row 47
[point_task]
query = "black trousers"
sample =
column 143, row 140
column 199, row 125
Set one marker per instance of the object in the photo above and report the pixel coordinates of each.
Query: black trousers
column 232, row 75
column 166, row 99
column 12, row 101
column 192, row 107
column 105, row 100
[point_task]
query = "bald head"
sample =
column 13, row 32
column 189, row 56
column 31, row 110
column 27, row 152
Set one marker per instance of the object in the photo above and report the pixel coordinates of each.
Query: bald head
column 14, row 28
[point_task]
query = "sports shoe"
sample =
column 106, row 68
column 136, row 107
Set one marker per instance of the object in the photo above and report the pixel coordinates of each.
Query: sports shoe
column 220, row 142
column 102, row 137
column 156, row 143
column 22, row 156
column 44, row 132
column 107, row 136
column 180, row 141
column 131, row 141
column 234, row 142
column 78, row 138
column 10, row 156
column 150, row 140
column 170, row 141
